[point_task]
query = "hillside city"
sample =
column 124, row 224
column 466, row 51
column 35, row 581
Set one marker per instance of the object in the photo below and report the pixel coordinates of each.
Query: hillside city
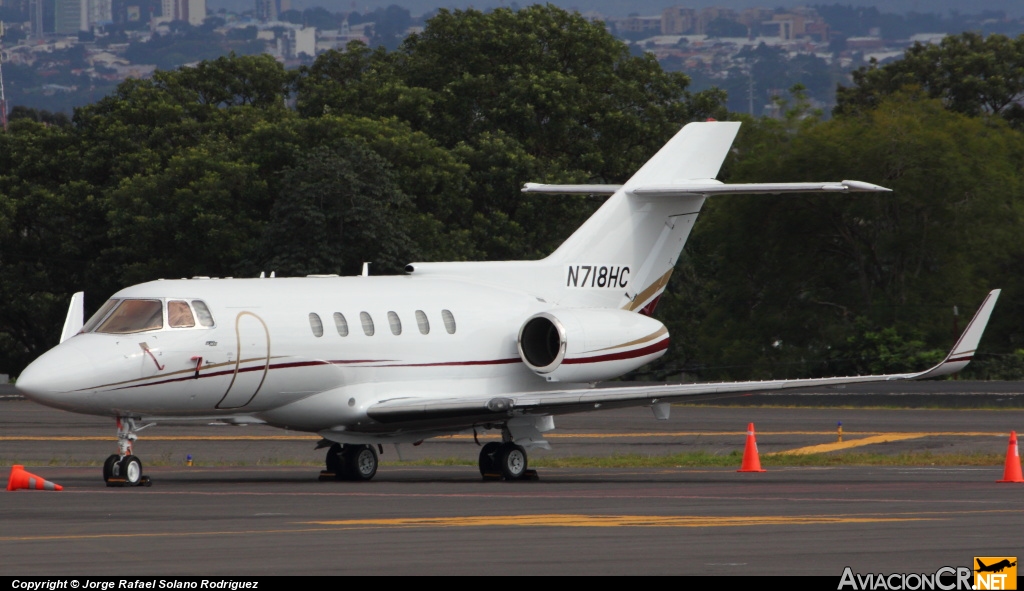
column 58, row 54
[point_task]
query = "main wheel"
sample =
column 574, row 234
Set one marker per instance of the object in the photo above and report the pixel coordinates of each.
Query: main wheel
column 131, row 470
column 513, row 461
column 335, row 463
column 362, row 462
column 489, row 458
column 110, row 467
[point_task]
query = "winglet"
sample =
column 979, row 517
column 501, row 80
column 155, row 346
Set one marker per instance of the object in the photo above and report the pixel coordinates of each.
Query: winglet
column 75, row 318
column 963, row 350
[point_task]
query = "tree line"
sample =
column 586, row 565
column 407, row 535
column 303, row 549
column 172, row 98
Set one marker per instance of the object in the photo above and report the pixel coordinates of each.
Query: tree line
column 237, row 166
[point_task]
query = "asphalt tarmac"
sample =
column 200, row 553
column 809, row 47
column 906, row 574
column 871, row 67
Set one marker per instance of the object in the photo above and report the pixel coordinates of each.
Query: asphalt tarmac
column 249, row 508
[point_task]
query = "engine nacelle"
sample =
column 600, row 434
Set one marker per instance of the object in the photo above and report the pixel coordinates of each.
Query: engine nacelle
column 589, row 345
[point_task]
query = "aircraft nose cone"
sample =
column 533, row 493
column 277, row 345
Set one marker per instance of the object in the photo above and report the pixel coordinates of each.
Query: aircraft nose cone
column 51, row 377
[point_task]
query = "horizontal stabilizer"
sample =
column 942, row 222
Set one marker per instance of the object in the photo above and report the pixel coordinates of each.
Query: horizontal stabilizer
column 571, row 189
column 710, row 187
column 716, row 188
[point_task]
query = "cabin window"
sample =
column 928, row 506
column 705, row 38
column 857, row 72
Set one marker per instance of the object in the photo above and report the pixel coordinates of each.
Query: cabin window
column 134, row 316
column 364, row 317
column 316, row 324
column 205, row 318
column 341, row 324
column 179, row 315
column 422, row 322
column 99, row 315
column 449, row 321
column 395, row 322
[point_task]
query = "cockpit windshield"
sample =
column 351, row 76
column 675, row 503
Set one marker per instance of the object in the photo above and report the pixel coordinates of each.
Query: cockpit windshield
column 124, row 316
column 134, row 316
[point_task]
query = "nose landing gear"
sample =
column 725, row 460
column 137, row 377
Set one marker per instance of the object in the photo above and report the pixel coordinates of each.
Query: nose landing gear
column 123, row 468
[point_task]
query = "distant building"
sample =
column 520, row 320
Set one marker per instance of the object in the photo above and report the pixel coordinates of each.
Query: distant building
column 35, row 14
column 193, row 11
column 639, row 24
column 270, row 10
column 298, row 42
column 677, row 20
column 95, row 13
column 707, row 15
column 67, row 17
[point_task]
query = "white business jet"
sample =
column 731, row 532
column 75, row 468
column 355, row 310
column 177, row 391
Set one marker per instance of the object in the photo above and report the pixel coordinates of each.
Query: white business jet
column 443, row 349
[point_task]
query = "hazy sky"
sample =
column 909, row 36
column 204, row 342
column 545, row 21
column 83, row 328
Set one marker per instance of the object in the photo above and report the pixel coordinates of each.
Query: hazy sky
column 646, row 7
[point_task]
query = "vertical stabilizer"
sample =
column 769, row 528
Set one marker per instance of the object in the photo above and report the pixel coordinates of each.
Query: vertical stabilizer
column 622, row 257
column 635, row 239
column 695, row 153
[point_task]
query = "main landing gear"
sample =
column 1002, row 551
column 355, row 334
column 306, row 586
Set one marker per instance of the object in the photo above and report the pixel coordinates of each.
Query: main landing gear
column 350, row 462
column 504, row 460
column 123, row 468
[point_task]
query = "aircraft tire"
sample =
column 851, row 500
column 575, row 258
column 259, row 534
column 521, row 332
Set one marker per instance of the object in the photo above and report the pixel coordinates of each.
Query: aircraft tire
column 131, row 470
column 489, row 456
column 335, row 461
column 362, row 462
column 110, row 468
column 513, row 461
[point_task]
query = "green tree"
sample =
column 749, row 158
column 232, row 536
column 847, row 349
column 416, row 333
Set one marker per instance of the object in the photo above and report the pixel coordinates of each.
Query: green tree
column 536, row 94
column 784, row 279
column 340, row 206
column 971, row 74
column 49, row 217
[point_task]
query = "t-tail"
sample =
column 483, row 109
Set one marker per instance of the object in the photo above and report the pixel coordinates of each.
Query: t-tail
column 623, row 255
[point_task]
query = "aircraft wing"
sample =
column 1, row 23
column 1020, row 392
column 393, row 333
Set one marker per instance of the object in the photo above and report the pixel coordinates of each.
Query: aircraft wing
column 550, row 402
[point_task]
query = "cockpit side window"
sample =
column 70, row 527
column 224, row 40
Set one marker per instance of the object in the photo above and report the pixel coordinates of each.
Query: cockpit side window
column 99, row 315
column 179, row 315
column 205, row 318
column 134, row 316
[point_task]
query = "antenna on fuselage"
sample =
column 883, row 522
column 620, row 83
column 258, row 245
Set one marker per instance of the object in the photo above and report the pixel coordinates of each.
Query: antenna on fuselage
column 263, row 274
column 366, row 269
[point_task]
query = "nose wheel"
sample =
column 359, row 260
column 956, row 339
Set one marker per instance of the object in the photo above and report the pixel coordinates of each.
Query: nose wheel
column 125, row 469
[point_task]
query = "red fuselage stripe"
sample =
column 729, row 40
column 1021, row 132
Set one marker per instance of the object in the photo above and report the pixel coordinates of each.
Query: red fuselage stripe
column 648, row 350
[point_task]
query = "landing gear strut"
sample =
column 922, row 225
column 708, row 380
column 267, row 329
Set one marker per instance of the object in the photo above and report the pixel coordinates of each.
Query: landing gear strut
column 123, row 468
column 504, row 460
column 350, row 462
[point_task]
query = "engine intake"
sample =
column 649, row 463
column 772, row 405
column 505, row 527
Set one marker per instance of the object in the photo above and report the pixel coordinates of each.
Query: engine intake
column 589, row 345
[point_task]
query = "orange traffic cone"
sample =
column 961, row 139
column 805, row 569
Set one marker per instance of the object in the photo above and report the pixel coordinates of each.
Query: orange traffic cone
column 1011, row 473
column 22, row 479
column 751, row 463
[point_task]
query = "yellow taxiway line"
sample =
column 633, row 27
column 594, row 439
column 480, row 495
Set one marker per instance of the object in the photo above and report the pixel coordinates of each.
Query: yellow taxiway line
column 540, row 520
column 560, row 520
column 827, row 447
